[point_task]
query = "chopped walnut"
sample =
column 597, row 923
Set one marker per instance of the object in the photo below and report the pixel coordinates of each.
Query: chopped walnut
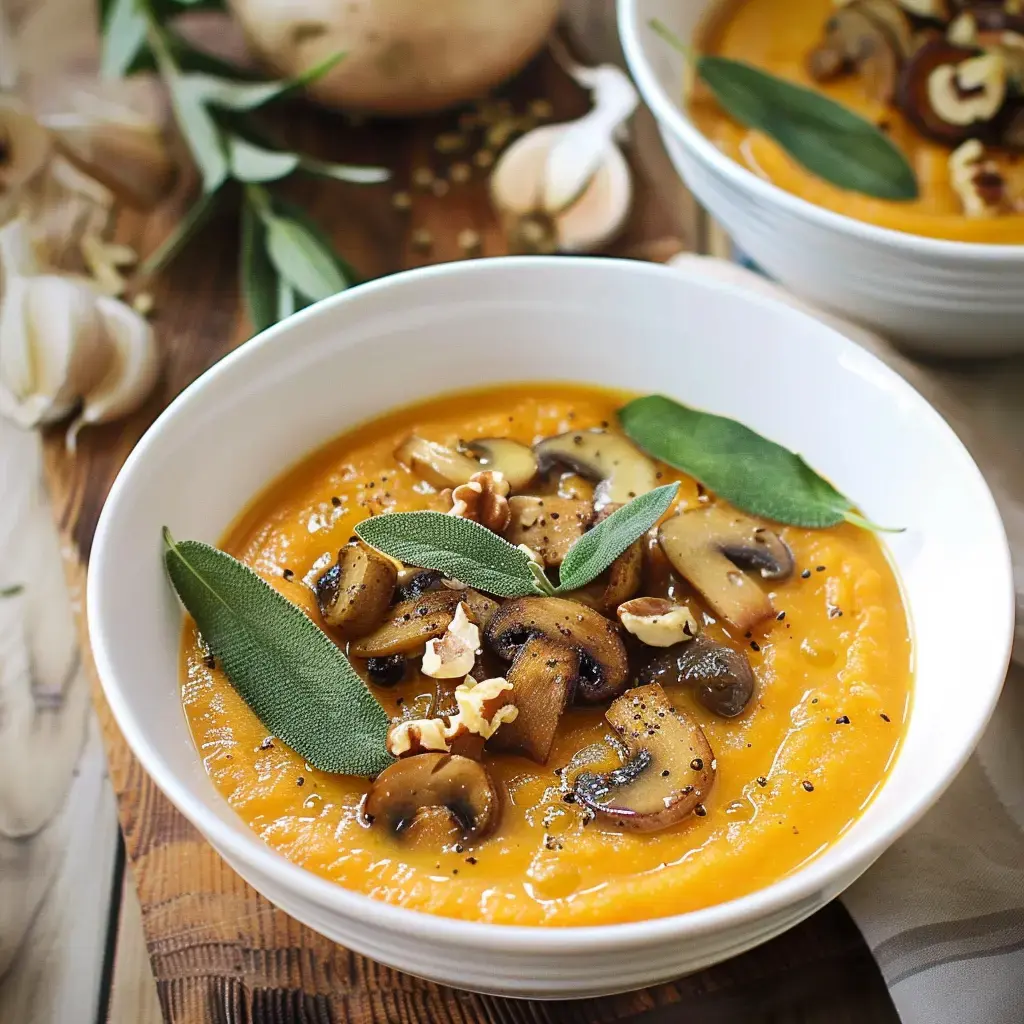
column 417, row 736
column 978, row 181
column 657, row 622
column 453, row 654
column 484, row 500
column 483, row 708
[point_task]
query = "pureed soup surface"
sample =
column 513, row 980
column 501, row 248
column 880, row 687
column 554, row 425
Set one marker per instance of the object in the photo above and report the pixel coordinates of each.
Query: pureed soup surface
column 794, row 770
column 777, row 36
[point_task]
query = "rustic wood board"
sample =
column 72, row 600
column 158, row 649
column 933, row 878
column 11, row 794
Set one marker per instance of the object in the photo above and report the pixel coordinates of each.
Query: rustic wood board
column 219, row 951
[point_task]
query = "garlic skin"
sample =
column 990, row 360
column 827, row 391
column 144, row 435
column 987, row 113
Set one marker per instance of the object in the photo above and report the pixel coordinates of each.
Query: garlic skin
column 132, row 372
column 54, row 347
column 24, row 149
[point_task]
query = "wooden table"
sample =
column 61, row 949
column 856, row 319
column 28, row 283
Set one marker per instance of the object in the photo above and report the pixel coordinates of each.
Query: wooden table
column 217, row 950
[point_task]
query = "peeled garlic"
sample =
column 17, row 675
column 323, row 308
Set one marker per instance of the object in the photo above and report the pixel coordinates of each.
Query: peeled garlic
column 24, row 145
column 54, row 348
column 567, row 187
column 132, row 371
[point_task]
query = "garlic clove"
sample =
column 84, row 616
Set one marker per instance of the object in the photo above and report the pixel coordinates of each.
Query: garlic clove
column 131, row 373
column 24, row 145
column 53, row 347
column 579, row 150
column 590, row 221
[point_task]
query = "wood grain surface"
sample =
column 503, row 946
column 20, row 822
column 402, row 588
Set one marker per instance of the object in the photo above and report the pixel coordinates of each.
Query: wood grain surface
column 219, row 951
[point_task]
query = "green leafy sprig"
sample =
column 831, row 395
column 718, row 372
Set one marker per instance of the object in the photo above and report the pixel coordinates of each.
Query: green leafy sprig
column 474, row 555
column 286, row 263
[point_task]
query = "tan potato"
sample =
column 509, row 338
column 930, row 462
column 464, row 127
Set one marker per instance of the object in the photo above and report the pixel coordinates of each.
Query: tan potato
column 403, row 56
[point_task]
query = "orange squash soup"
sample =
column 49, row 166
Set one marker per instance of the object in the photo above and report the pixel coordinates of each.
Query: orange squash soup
column 707, row 715
column 944, row 88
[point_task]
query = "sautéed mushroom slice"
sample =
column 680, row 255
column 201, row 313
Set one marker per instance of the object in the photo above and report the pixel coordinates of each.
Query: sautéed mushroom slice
column 355, row 592
column 709, row 545
column 515, row 461
column 670, row 769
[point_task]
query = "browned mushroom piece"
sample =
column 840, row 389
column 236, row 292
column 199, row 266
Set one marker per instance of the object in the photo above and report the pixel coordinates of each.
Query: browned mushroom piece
column 412, row 582
column 951, row 93
column 670, row 770
column 438, row 465
column 867, row 39
column 410, row 794
column 604, row 669
column 409, row 626
column 995, row 29
column 721, row 677
column 708, row 546
column 354, row 594
column 515, row 461
column 550, row 525
column 621, row 470
column 543, row 677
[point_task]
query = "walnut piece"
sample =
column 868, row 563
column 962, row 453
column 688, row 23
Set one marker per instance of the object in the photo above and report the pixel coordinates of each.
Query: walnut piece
column 453, row 654
column 483, row 708
column 657, row 622
column 484, row 500
column 978, row 181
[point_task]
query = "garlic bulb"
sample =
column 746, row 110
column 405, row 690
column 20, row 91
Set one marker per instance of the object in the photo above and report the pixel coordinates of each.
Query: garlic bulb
column 54, row 349
column 132, row 372
column 567, row 187
column 115, row 145
column 24, row 148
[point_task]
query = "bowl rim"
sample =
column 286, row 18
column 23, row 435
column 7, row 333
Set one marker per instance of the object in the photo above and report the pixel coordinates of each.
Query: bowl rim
column 668, row 113
column 808, row 883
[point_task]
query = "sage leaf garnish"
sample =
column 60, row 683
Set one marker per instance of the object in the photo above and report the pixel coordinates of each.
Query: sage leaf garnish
column 458, row 547
column 599, row 547
column 299, row 684
column 300, row 259
column 260, row 284
column 739, row 465
column 825, row 137
column 466, row 551
column 124, row 36
column 252, row 163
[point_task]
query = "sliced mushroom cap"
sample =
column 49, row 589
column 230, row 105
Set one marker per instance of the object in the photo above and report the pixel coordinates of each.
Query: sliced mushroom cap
column 670, row 769
column 412, row 582
column 543, row 677
column 622, row 471
column 604, row 668
column 860, row 39
column 951, row 93
column 515, row 461
column 708, row 546
column 409, row 626
column 721, row 677
column 549, row 525
column 438, row 465
column 410, row 789
column 355, row 592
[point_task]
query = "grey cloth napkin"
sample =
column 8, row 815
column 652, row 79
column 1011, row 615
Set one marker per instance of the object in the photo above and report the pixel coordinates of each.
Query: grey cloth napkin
column 943, row 909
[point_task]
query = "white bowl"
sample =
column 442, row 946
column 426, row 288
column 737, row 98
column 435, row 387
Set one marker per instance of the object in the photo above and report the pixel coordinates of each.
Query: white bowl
column 944, row 298
column 627, row 324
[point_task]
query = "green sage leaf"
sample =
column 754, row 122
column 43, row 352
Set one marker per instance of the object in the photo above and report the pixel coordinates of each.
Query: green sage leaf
column 259, row 279
column 231, row 94
column 458, row 547
column 252, row 163
column 296, row 680
column 199, row 128
column 124, row 37
column 301, row 259
column 300, row 216
column 169, row 248
column 359, row 175
column 823, row 136
column 739, row 465
column 600, row 546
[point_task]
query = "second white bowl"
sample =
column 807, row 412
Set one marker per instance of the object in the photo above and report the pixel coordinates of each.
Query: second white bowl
column 944, row 298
